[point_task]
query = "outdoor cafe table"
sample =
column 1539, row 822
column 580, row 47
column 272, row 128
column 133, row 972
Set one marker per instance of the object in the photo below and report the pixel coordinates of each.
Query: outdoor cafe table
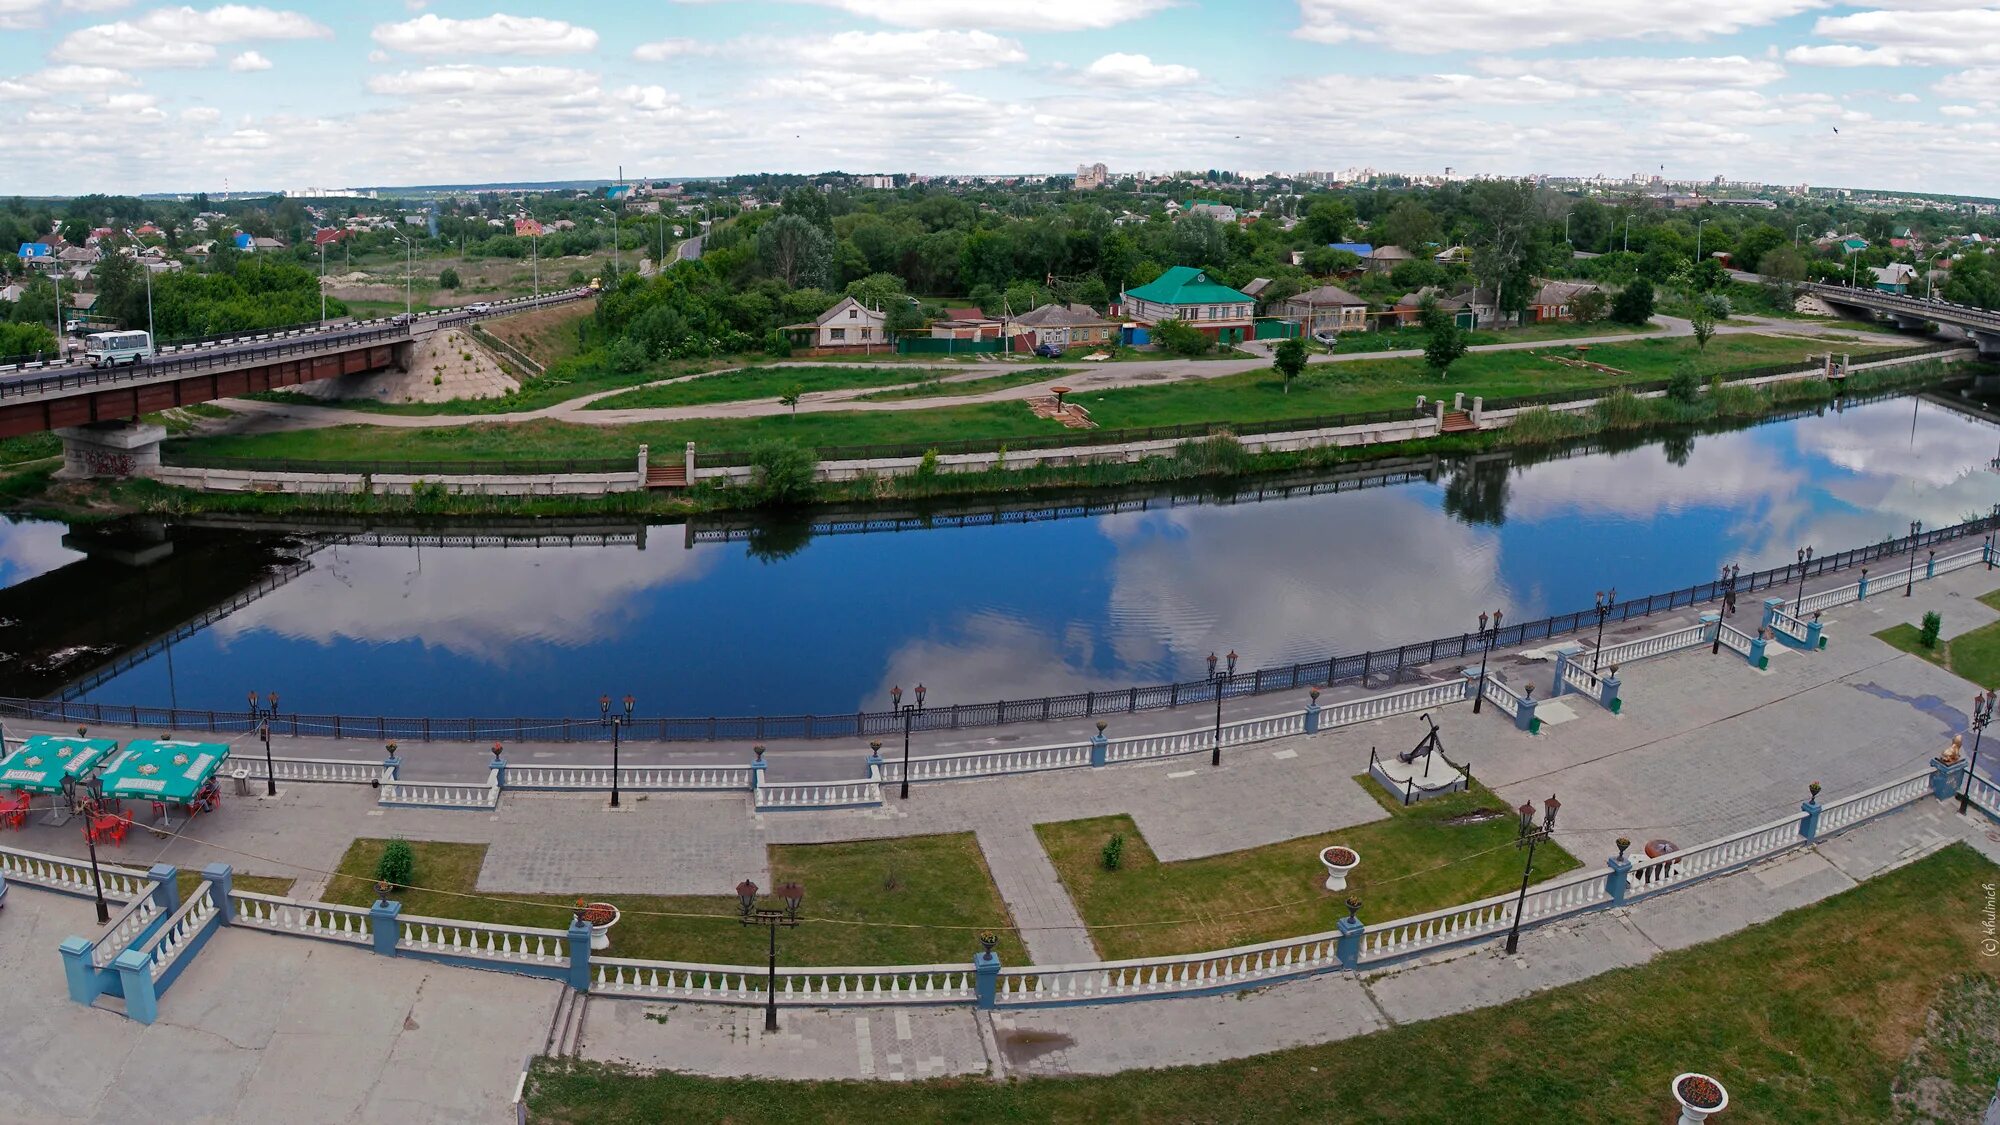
column 162, row 770
column 42, row 762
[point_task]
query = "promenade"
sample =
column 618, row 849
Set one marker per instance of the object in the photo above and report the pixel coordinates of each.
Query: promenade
column 1705, row 745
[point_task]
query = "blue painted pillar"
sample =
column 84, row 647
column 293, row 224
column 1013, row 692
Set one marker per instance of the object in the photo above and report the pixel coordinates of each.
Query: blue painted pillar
column 500, row 767
column 1471, row 677
column 757, row 765
column 1930, row 566
column 579, row 954
column 1312, row 713
column 1608, row 691
column 1618, row 883
column 1861, row 593
column 1809, row 827
column 385, row 925
column 1757, row 658
column 78, row 974
column 167, row 896
column 221, row 878
column 1815, row 634
column 390, row 762
column 1947, row 778
column 1525, row 717
column 135, row 979
column 1771, row 607
column 1099, row 745
column 1562, row 662
column 1711, row 625
column 986, row 977
column 1348, row 946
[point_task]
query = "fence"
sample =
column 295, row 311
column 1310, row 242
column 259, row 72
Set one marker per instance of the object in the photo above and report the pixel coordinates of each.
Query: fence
column 1390, row 664
column 178, row 456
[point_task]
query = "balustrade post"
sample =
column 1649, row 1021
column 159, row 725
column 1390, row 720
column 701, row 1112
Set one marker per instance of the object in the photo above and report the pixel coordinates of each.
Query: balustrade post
column 1815, row 634
column 1930, row 565
column 499, row 767
column 1347, row 948
column 1524, row 717
column 1607, row 689
column 1757, row 658
column 1947, row 777
column 1618, row 883
column 221, row 879
column 167, row 893
column 986, row 977
column 757, row 771
column 391, row 763
column 1861, row 587
column 1809, row 826
column 1312, row 713
column 81, row 977
column 1099, row 746
column 385, row 925
column 1771, row 608
column 579, row 954
column 135, row 979
column 1562, row 665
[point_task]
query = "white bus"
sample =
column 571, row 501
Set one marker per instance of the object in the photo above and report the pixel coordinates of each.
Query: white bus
column 109, row 349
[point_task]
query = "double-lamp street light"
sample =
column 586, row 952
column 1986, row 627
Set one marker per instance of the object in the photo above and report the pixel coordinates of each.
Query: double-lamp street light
column 1982, row 713
column 262, row 716
column 750, row 914
column 1486, row 639
column 617, row 722
column 1221, row 682
column 910, row 711
column 1529, row 836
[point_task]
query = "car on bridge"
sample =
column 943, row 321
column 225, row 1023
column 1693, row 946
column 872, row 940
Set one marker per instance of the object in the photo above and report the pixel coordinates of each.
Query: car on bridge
column 478, row 307
column 109, row 349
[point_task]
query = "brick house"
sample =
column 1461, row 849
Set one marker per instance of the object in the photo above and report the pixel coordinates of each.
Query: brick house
column 1065, row 326
column 1328, row 308
column 1186, row 293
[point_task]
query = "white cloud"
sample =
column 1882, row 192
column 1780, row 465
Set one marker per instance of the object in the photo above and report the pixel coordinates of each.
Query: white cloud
column 94, row 5
column 660, row 50
column 248, row 61
column 1841, row 54
column 1919, row 35
column 1012, row 15
column 82, row 79
column 1905, row 99
column 1138, row 72
column 891, row 51
column 18, row 15
column 1958, row 111
column 1979, row 84
column 464, row 80
column 1645, row 74
column 181, row 37
column 201, row 114
column 497, row 34
column 1435, row 26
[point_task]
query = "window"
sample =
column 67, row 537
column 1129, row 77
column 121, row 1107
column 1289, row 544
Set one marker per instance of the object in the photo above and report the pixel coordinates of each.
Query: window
column 851, row 313
column 839, row 334
column 864, row 333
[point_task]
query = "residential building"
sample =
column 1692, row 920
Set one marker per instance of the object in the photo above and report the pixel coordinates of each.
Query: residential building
column 12, row 293
column 526, row 228
column 848, row 324
column 1382, row 259
column 1453, row 256
column 266, row 244
column 1257, row 286
column 78, row 256
column 1089, row 176
column 1554, row 300
column 37, row 254
column 875, row 183
column 1065, row 326
column 965, row 324
column 1328, row 308
column 1893, row 278
column 1186, row 293
column 1470, row 309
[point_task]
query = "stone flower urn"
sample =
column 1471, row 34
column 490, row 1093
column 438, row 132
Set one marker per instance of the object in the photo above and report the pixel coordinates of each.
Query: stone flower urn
column 600, row 916
column 1698, row 1096
column 1339, row 862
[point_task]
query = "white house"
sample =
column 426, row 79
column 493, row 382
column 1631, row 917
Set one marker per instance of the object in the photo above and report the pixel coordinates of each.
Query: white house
column 848, row 324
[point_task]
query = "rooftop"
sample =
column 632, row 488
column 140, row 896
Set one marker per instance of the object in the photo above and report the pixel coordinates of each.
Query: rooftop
column 1186, row 285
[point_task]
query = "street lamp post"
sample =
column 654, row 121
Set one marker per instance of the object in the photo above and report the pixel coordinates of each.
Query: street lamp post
column 1795, row 234
column 910, row 711
column 1805, row 556
column 1628, row 233
column 605, row 715
column 1529, row 836
column 750, row 914
column 1697, row 240
column 1910, row 583
column 1486, row 639
column 262, row 715
column 90, row 804
column 1605, row 600
column 1222, row 682
column 1982, row 713
column 322, row 279
column 409, row 268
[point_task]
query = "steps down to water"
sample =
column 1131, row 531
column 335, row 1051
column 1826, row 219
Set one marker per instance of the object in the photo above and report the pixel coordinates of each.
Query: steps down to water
column 667, row 476
column 1457, row 422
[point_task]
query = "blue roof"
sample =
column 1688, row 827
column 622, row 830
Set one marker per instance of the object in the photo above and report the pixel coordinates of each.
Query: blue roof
column 243, row 240
column 616, row 191
column 1358, row 249
column 35, row 250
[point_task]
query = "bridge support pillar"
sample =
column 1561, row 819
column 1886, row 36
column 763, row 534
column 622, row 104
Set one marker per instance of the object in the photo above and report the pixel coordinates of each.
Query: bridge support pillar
column 110, row 449
column 1907, row 322
column 1988, row 342
column 403, row 353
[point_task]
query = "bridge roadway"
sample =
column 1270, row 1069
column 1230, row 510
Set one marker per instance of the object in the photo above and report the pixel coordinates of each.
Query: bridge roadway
column 45, row 398
column 1982, row 325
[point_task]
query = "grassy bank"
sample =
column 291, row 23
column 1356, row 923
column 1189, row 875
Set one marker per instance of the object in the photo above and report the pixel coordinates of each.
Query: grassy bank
column 751, row 383
column 1974, row 655
column 1872, row 1005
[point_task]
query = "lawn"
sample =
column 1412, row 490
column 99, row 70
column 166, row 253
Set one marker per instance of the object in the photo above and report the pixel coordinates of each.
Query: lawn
column 188, row 880
column 1973, row 655
column 1818, row 1015
column 1412, row 861
column 934, row 388
column 751, row 383
column 912, row 883
column 1414, row 338
column 1255, row 395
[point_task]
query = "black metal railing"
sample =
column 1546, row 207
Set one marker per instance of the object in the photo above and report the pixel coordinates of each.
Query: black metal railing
column 162, row 366
column 1386, row 664
column 179, row 457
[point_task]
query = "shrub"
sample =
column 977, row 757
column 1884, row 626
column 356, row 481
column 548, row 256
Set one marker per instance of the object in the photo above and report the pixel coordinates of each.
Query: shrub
column 1444, row 348
column 448, row 279
column 1589, row 306
column 1114, row 851
column 1933, row 624
column 1684, row 385
column 1181, row 338
column 928, row 467
column 1211, row 455
column 626, row 355
column 576, row 277
column 1634, row 303
column 783, row 473
column 398, row 864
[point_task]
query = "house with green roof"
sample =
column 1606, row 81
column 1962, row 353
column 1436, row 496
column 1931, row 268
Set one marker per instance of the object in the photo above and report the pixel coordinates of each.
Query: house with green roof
column 1186, row 293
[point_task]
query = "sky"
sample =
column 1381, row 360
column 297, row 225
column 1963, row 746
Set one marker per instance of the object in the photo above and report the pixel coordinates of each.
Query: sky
column 127, row 96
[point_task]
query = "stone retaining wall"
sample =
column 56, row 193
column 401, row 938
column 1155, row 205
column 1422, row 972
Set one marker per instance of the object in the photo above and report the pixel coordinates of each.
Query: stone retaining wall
column 388, row 484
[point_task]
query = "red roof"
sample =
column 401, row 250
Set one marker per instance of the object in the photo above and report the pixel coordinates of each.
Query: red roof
column 328, row 234
column 527, row 226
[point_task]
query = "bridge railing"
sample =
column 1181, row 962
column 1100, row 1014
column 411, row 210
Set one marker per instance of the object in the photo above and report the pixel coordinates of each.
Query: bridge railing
column 83, row 378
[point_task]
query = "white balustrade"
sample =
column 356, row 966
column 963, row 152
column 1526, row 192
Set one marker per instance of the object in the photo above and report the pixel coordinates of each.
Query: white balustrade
column 1241, row 967
column 1985, row 794
column 125, row 926
column 654, row 778
column 1386, row 704
column 1734, row 639
column 194, row 916
column 440, row 794
column 1961, row 560
column 1853, row 810
column 823, row 794
column 1579, row 679
column 810, row 987
column 990, row 763
column 1661, row 872
column 70, row 876
column 281, row 915
column 526, row 945
column 1659, row 644
column 1790, row 626
column 1503, row 697
column 1826, row 599
column 337, row 770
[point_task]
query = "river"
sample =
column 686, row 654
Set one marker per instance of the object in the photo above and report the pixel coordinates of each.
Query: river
column 783, row 624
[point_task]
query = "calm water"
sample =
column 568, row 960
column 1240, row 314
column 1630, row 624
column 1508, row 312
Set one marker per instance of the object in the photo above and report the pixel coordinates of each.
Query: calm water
column 975, row 613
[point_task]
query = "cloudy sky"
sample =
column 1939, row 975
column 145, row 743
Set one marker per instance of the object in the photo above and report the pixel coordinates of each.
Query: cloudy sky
column 123, row 95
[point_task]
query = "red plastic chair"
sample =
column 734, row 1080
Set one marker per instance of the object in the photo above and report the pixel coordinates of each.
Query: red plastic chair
column 14, row 810
column 114, row 826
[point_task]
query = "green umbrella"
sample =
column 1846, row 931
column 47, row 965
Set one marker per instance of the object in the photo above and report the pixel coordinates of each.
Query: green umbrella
column 42, row 762
column 160, row 770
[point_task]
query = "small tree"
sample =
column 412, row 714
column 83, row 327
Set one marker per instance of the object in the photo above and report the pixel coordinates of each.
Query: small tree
column 1289, row 357
column 397, row 864
column 783, row 473
column 1634, row 303
column 792, row 395
column 1589, row 306
column 1684, row 385
column 1444, row 348
column 448, row 279
column 1114, row 852
column 1431, row 315
column 1933, row 625
column 1181, row 338
column 1702, row 319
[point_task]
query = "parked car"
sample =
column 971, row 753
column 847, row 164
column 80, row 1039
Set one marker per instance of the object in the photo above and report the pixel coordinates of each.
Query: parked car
column 1327, row 337
column 1048, row 351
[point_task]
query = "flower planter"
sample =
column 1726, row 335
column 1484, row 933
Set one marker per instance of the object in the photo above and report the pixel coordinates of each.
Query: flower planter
column 1339, row 862
column 1698, row 1096
column 600, row 916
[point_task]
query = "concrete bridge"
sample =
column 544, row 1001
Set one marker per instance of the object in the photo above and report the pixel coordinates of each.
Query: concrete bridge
column 97, row 411
column 1982, row 326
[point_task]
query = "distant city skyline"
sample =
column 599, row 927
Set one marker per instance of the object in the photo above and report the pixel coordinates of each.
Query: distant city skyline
column 118, row 96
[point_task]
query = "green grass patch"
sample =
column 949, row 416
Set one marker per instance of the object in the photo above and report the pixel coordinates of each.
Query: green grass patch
column 29, row 447
column 1413, row 338
column 752, row 383
column 189, row 882
column 1973, row 655
column 1413, row 860
column 1821, row 1015
column 935, row 388
column 913, row 882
